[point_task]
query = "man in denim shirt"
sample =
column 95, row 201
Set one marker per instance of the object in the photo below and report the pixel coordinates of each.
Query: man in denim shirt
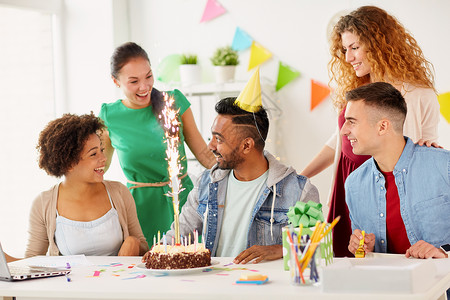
column 240, row 205
column 401, row 196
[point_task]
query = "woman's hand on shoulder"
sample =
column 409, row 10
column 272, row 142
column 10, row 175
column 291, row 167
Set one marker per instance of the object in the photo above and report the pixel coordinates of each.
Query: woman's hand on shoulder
column 422, row 142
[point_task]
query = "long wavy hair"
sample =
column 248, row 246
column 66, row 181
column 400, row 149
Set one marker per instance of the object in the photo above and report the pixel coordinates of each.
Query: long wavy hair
column 393, row 54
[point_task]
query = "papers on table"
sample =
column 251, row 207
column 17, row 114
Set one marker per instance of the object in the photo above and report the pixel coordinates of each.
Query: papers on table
column 58, row 261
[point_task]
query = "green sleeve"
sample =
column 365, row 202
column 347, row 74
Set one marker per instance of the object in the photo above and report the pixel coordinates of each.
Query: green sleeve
column 181, row 101
column 102, row 114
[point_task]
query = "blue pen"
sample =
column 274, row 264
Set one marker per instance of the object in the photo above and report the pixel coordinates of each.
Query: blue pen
column 68, row 278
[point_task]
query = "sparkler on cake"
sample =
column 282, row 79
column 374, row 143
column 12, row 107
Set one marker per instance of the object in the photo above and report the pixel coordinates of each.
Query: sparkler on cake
column 171, row 124
column 181, row 254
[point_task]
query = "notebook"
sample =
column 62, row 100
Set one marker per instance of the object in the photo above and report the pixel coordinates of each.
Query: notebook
column 13, row 273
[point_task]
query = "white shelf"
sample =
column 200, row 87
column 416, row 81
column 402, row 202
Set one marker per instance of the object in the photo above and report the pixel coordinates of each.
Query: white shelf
column 203, row 89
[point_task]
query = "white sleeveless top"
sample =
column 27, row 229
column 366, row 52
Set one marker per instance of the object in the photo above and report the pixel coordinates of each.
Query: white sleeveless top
column 101, row 237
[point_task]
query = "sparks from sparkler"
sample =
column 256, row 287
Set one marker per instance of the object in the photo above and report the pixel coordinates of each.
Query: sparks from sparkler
column 171, row 125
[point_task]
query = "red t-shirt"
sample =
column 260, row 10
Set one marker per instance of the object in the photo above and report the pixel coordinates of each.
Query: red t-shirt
column 397, row 239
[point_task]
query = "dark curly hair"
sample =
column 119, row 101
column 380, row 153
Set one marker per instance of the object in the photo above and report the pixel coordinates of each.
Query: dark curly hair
column 62, row 140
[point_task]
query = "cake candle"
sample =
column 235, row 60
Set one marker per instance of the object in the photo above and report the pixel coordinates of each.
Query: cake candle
column 165, row 243
column 195, row 240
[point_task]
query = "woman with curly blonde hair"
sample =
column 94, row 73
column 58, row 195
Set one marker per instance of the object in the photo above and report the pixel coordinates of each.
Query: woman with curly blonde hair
column 369, row 45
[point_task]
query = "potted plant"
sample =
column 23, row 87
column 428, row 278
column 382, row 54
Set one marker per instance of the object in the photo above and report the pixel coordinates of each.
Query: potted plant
column 225, row 60
column 190, row 72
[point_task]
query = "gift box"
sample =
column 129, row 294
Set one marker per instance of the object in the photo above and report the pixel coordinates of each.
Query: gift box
column 385, row 274
column 307, row 214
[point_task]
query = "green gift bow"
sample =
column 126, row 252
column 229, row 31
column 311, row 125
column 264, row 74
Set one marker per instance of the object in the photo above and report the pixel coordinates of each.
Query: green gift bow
column 305, row 213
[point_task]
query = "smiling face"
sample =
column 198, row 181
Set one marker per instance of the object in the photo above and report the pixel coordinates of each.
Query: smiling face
column 225, row 143
column 359, row 128
column 136, row 81
column 91, row 166
column 355, row 53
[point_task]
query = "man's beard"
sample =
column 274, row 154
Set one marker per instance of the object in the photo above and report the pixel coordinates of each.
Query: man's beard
column 233, row 160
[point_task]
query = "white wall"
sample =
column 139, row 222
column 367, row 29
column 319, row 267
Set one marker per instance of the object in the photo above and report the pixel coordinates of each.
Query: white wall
column 295, row 32
column 88, row 44
column 92, row 29
column 25, row 109
column 84, row 37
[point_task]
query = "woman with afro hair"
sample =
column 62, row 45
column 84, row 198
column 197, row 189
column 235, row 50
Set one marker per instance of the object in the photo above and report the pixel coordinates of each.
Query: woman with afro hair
column 83, row 214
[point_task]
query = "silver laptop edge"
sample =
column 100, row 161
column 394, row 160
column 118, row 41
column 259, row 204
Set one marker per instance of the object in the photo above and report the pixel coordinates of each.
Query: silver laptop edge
column 30, row 272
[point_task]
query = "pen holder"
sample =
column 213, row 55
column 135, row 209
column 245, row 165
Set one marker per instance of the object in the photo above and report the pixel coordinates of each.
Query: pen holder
column 305, row 264
column 324, row 252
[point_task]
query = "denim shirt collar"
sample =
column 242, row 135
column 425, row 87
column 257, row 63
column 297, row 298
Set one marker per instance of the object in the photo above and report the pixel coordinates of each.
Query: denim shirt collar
column 402, row 163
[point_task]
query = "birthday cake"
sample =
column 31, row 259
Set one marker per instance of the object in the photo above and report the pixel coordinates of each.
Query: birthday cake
column 177, row 257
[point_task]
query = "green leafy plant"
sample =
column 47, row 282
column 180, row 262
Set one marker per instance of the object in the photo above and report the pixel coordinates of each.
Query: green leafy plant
column 225, row 56
column 188, row 59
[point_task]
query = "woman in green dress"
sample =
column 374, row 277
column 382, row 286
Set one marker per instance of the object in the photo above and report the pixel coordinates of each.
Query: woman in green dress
column 134, row 131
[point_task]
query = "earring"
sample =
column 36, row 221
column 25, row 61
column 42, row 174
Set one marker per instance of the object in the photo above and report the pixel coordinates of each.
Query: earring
column 118, row 85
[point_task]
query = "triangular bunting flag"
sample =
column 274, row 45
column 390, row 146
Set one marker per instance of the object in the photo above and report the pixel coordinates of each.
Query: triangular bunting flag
column 319, row 92
column 285, row 75
column 258, row 55
column 250, row 98
column 213, row 9
column 241, row 40
column 444, row 102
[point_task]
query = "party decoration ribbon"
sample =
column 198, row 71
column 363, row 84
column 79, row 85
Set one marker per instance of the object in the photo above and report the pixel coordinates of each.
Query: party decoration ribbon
column 241, row 40
column 319, row 92
column 305, row 213
column 285, row 75
column 258, row 55
column 213, row 9
column 444, row 102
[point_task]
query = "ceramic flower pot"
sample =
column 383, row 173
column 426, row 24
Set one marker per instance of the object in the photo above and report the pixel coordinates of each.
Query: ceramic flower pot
column 224, row 73
column 190, row 74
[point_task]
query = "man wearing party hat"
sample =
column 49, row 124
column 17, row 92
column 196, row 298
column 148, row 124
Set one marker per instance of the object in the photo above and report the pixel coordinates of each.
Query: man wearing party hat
column 240, row 205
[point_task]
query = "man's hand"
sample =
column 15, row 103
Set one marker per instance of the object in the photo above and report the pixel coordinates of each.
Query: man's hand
column 422, row 249
column 369, row 241
column 130, row 247
column 258, row 253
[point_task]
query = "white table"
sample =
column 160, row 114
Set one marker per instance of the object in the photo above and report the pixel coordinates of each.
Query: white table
column 216, row 284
